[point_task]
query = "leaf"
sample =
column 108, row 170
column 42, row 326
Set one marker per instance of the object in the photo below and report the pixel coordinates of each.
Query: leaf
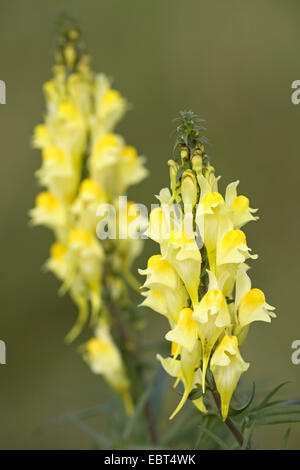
column 284, row 408
column 177, row 426
column 248, row 435
column 214, row 437
column 158, row 391
column 285, row 439
column 138, row 410
column 278, row 419
column 235, row 411
column 272, row 393
column 195, row 393
column 100, row 439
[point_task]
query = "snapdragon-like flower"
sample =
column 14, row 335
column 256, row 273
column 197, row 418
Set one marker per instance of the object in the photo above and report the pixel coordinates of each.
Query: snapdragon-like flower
column 203, row 249
column 85, row 164
column 104, row 358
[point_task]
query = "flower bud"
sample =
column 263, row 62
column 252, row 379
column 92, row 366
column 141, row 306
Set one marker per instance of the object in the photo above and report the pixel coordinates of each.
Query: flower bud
column 173, row 168
column 70, row 55
column 197, row 163
column 189, row 190
column 184, row 153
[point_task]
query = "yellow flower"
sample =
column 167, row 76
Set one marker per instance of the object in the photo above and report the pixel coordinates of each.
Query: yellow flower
column 48, row 211
column 131, row 168
column 187, row 370
column 239, row 207
column 189, row 190
column 57, row 173
column 233, row 249
column 183, row 254
column 57, row 262
column 85, row 206
column 210, row 214
column 227, row 366
column 104, row 359
column 250, row 303
column 41, row 136
column 86, row 254
column 212, row 317
column 110, row 104
column 166, row 294
column 185, row 333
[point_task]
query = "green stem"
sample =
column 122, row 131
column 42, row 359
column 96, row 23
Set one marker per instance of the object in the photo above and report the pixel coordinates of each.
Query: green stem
column 132, row 355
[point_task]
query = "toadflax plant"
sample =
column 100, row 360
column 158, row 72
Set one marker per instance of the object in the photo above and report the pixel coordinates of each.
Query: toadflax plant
column 85, row 164
column 200, row 280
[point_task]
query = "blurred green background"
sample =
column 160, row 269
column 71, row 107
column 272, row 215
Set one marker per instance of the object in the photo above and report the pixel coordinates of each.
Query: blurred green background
column 233, row 63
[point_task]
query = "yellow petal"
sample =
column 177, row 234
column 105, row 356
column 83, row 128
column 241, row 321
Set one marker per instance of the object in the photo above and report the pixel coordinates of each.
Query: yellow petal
column 227, row 366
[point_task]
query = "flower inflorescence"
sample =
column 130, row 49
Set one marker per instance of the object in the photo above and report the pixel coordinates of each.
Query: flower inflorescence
column 84, row 164
column 199, row 281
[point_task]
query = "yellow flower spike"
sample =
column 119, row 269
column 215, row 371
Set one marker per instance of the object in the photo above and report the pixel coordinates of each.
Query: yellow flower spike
column 183, row 254
column 227, row 366
column 212, row 316
column 238, row 206
column 185, row 333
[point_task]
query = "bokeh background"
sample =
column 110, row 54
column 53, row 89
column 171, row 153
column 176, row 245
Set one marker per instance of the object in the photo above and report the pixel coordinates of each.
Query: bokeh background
column 233, row 63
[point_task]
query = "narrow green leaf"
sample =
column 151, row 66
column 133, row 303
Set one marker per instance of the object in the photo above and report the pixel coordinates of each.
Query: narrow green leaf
column 271, row 394
column 235, row 411
column 277, row 410
column 100, row 439
column 214, row 437
column 248, row 435
column 285, row 439
column 138, row 410
column 278, row 419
